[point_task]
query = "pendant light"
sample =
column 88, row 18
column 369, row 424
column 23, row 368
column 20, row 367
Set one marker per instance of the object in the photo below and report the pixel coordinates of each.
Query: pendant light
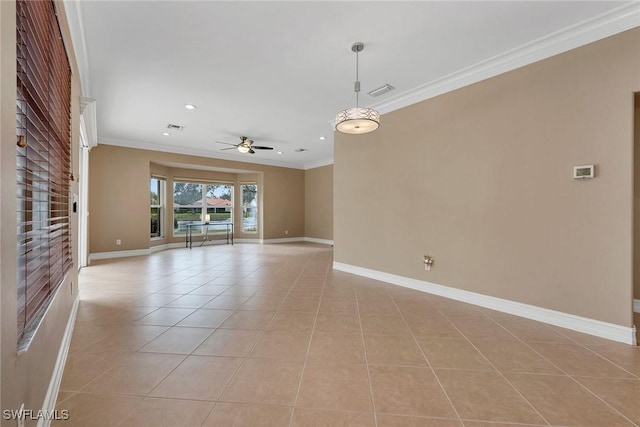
column 357, row 120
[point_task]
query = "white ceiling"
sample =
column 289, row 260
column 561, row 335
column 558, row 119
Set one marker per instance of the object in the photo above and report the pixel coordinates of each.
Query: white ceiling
column 278, row 72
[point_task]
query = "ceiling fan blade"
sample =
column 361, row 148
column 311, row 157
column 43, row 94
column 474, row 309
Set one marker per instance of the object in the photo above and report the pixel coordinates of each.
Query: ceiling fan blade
column 230, row 148
column 251, row 151
column 261, row 147
column 226, row 143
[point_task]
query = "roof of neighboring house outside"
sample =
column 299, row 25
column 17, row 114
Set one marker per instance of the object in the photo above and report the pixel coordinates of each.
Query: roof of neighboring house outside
column 211, row 202
column 215, row 202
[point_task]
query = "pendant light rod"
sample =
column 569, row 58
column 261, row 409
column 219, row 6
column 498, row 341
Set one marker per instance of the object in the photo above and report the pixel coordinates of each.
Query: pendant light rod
column 357, row 47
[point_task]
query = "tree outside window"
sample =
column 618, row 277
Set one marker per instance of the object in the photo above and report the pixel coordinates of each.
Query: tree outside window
column 157, row 207
column 249, row 208
column 195, row 202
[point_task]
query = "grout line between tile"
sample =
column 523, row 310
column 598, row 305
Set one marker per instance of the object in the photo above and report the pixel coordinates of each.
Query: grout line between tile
column 433, row 371
column 186, row 271
column 539, row 354
column 491, row 363
column 366, row 361
column 188, row 355
column 262, row 332
column 204, row 420
column 562, row 370
column 304, row 364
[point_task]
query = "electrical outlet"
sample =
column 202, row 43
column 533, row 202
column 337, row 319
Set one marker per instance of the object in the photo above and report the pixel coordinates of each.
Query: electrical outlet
column 118, row 242
column 428, row 262
column 286, row 231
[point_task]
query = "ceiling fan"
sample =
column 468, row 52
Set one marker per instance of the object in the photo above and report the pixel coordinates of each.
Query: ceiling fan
column 245, row 146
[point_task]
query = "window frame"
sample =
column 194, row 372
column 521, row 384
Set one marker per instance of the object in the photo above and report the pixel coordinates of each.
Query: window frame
column 162, row 185
column 257, row 207
column 204, row 207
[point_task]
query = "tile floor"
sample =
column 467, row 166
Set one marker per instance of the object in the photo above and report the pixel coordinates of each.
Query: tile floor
column 252, row 335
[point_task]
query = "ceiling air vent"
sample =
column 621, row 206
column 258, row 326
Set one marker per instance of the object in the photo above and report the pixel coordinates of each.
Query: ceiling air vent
column 175, row 127
column 300, row 150
column 382, row 90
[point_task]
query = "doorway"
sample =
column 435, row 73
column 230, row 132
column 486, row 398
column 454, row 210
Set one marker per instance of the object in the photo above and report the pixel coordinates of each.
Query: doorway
column 83, row 208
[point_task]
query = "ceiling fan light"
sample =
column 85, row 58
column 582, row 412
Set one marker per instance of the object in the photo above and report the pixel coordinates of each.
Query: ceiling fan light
column 243, row 148
column 357, row 121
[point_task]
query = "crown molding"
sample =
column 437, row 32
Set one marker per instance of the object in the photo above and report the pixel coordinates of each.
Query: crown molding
column 88, row 123
column 74, row 19
column 613, row 22
column 318, row 164
column 195, row 152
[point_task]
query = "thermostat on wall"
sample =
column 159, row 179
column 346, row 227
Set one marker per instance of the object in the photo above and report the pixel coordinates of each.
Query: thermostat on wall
column 583, row 172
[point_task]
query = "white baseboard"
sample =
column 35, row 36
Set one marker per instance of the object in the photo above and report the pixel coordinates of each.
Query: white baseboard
column 151, row 250
column 50, row 398
column 158, row 248
column 118, row 254
column 175, row 245
column 321, row 241
column 564, row 320
column 299, row 239
column 285, row 240
column 636, row 305
column 243, row 240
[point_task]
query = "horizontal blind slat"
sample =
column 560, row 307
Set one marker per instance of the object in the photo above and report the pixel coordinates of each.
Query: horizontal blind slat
column 43, row 117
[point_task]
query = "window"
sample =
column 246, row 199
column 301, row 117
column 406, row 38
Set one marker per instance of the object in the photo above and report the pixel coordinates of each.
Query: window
column 43, row 159
column 157, row 207
column 196, row 202
column 249, row 208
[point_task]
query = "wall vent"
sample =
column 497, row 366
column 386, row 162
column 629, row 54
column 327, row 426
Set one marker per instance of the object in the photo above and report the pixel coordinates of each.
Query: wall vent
column 175, row 127
column 381, row 90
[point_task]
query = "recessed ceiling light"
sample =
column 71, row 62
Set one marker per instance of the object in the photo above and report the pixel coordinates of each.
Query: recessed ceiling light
column 190, row 106
column 322, row 138
column 279, row 152
column 166, row 134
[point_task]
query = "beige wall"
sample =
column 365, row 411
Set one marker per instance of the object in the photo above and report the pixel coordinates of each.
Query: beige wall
column 119, row 195
column 636, row 199
column 25, row 378
column 118, row 200
column 318, row 198
column 481, row 179
column 283, row 203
